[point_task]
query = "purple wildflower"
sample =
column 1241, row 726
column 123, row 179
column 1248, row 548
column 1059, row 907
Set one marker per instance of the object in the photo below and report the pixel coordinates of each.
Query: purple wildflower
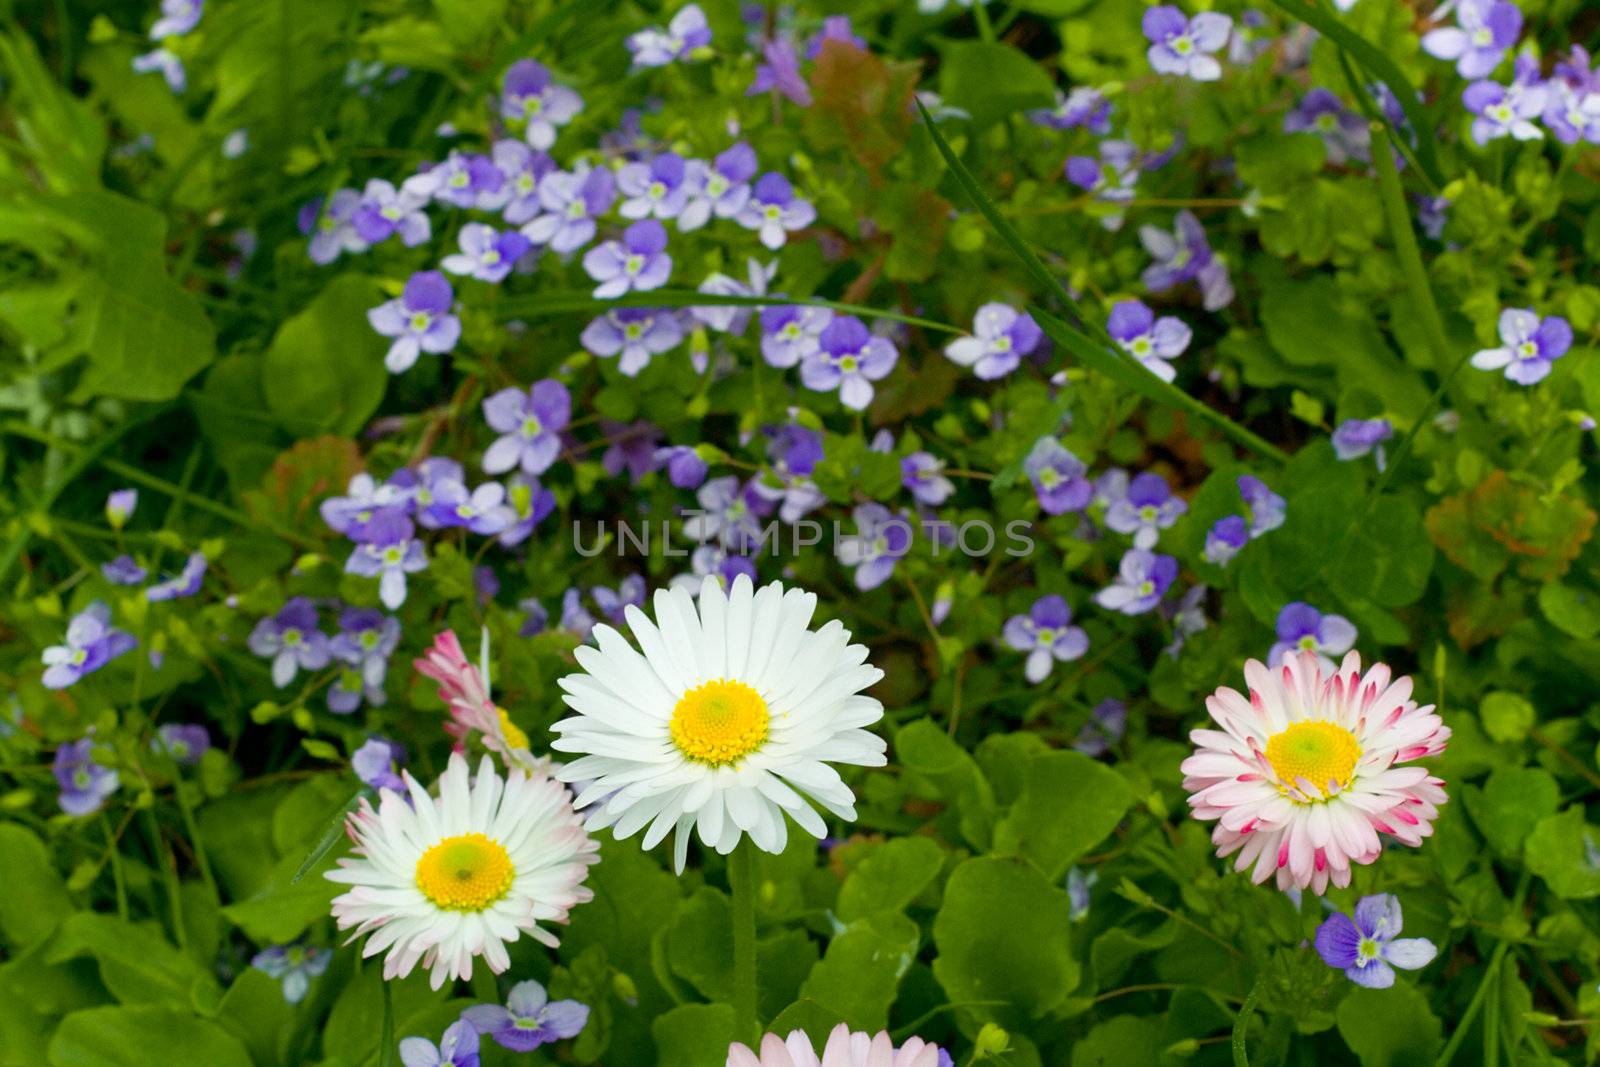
column 486, row 254
column 685, row 469
column 1354, row 438
column 1113, row 178
column 1108, row 721
column 1148, row 508
column 923, row 474
column 774, row 212
column 1184, row 46
column 165, row 62
column 1507, row 110
column 571, row 202
column 530, row 503
column 729, row 512
column 848, row 359
column 794, row 452
column 1182, row 255
column 332, row 227
column 469, row 180
column 1265, row 508
column 524, row 169
column 779, row 72
column 1058, row 477
column 1142, row 579
column 1531, row 345
column 729, row 318
column 364, row 643
column 639, row 261
column 1153, row 342
column 84, row 783
column 1085, row 106
column 296, row 965
column 120, row 506
column 882, row 541
column 363, row 499
column 685, row 34
column 482, row 510
column 182, row 742
column 1046, row 635
column 835, row 28
column 185, row 583
column 419, row 321
column 1001, row 336
column 720, row 188
column 457, row 1048
column 291, row 640
column 792, row 332
column 1366, row 948
column 632, row 448
column 575, row 618
column 375, row 763
column 384, row 211
column 1225, row 539
column 1484, row 31
column 636, row 333
column 1343, row 131
column 528, row 95
column 389, row 555
column 529, row 1019
column 530, row 422
column 91, row 643
column 124, row 570
column 654, row 190
column 614, row 603
column 1302, row 627
column 178, row 17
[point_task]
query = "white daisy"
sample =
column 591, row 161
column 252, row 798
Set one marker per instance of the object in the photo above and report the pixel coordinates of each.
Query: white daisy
column 444, row 879
column 727, row 721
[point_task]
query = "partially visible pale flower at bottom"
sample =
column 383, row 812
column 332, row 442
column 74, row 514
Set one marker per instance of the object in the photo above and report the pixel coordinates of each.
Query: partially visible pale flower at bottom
column 1307, row 770
column 844, row 1049
column 440, row 880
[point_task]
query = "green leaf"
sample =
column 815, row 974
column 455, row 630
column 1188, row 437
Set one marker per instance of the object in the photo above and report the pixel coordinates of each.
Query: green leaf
column 700, row 944
column 804, row 1014
column 1122, row 1039
column 468, row 21
column 285, row 908
column 137, row 963
column 859, row 975
column 694, row 1035
column 143, row 1036
column 1389, row 1027
column 1575, row 612
column 323, row 372
column 991, row 81
column 1388, row 559
column 1069, row 803
column 1510, row 805
column 1559, row 852
column 1003, row 935
column 254, row 1011
column 889, row 877
column 35, row 899
column 1506, row 716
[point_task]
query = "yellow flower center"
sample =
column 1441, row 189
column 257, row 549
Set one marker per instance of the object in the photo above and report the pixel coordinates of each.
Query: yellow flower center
column 1319, row 752
column 720, row 722
column 513, row 733
column 467, row 872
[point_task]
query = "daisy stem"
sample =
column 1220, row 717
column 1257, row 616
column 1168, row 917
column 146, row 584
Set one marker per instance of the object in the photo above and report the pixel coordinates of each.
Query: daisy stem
column 741, row 881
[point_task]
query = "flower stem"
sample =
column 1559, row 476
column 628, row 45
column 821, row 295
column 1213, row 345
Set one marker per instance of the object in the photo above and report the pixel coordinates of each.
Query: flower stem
column 1241, row 1024
column 116, row 867
column 741, row 880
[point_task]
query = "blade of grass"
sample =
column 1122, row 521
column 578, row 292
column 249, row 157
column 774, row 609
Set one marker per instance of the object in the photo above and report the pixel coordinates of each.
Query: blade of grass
column 1095, row 352
column 578, row 301
column 330, row 836
column 1376, row 63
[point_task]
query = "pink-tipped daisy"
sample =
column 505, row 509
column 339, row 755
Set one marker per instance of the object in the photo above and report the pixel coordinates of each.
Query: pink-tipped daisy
column 844, row 1049
column 465, row 689
column 1308, row 770
column 438, row 880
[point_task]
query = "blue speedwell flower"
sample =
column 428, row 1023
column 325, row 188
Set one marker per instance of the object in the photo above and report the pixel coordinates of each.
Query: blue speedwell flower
column 1147, row 508
column 91, row 643
column 183, row 742
column 185, row 583
column 530, row 423
column 1366, row 948
column 1354, row 438
column 291, row 640
column 636, row 262
column 1142, row 579
column 419, row 321
column 296, row 965
column 120, row 506
column 457, row 1048
column 388, row 553
column 376, row 762
column 1001, row 336
column 848, row 358
column 1047, row 635
column 1303, row 627
column 529, row 1018
column 1529, row 345
column 1058, row 477
column 1184, row 46
column 882, row 541
column 84, row 783
column 1224, row 540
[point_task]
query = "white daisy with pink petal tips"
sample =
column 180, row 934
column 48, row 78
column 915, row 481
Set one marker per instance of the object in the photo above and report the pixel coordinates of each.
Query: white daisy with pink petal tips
column 1308, row 770
column 844, row 1049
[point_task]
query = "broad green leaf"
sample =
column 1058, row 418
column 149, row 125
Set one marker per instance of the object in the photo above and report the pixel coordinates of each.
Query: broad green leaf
column 1506, row 717
column 1389, row 1027
column 805, row 1014
column 324, row 370
column 700, row 944
column 1003, row 935
column 1561, row 850
column 859, row 976
column 694, row 1035
column 137, row 963
column 1510, row 805
column 991, row 81
column 1572, row 610
column 889, row 877
column 254, row 1011
column 286, row 907
column 1121, row 1039
column 143, row 1036
column 1069, row 803
column 35, row 899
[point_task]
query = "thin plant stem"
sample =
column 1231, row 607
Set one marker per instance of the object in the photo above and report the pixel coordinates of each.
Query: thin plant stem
column 1241, row 1025
column 116, row 867
column 741, row 881
column 192, row 828
column 169, row 877
column 1495, row 958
